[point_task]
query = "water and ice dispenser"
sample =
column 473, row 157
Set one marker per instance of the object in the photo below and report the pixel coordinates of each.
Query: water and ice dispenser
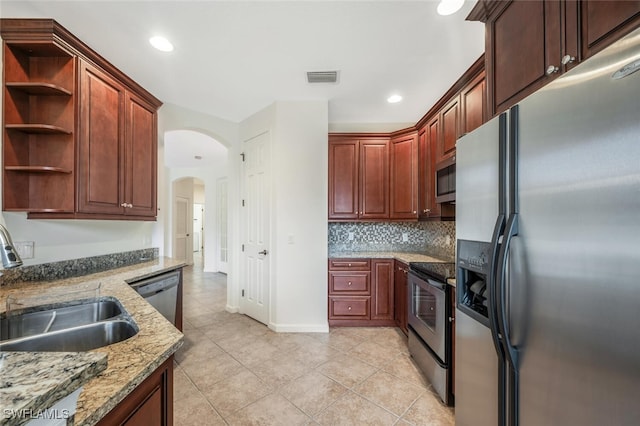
column 471, row 279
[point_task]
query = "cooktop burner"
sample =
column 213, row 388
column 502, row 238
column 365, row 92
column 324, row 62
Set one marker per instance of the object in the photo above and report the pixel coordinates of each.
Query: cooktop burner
column 436, row 270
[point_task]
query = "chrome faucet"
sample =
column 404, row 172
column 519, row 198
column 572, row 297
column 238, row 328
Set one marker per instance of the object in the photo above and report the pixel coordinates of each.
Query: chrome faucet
column 8, row 252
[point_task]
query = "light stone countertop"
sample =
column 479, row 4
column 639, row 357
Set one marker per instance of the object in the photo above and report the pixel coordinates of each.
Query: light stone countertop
column 128, row 362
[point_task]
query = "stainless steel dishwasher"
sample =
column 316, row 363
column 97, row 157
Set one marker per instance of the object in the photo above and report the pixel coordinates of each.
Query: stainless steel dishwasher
column 161, row 291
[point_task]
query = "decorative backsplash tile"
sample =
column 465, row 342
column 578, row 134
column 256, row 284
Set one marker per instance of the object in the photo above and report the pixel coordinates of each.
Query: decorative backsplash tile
column 434, row 238
column 76, row 267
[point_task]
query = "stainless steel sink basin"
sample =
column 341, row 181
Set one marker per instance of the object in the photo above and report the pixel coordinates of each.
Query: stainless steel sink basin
column 75, row 339
column 51, row 318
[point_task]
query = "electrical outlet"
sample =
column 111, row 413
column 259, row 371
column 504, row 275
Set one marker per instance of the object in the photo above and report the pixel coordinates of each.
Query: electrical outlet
column 25, row 249
column 351, row 236
column 405, row 237
column 291, row 239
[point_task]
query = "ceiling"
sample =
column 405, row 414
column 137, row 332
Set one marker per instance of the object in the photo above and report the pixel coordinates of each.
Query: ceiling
column 233, row 58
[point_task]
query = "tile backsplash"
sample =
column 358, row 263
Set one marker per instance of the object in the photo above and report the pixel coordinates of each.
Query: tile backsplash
column 434, row 238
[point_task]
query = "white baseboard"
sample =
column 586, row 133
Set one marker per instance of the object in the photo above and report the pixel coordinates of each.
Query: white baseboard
column 300, row 328
column 232, row 309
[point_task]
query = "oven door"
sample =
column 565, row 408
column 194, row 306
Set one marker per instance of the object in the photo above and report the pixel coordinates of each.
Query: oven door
column 427, row 312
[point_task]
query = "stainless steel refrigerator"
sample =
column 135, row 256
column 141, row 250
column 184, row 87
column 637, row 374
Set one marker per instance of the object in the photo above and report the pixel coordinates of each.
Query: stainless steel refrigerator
column 548, row 229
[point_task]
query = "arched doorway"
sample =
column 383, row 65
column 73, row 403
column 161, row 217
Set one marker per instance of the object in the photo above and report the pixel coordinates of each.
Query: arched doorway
column 195, row 163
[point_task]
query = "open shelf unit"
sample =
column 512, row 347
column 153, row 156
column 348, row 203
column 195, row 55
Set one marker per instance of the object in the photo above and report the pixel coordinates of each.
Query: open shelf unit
column 39, row 127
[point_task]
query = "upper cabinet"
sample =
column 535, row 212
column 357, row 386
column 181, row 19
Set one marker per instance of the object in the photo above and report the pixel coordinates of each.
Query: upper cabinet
column 374, row 176
column 404, row 176
column 80, row 137
column 358, row 177
column 530, row 43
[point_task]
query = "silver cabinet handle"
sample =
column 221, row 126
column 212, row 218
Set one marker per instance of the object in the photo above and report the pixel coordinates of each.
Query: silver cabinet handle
column 552, row 69
column 568, row 59
column 349, row 308
column 130, row 206
column 263, row 252
column 349, row 283
column 123, row 205
column 414, row 212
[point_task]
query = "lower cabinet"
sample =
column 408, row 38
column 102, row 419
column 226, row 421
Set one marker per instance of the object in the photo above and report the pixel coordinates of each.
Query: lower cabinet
column 361, row 292
column 401, row 290
column 149, row 404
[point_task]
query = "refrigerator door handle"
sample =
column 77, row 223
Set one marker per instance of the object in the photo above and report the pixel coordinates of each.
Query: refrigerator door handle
column 493, row 318
column 511, row 352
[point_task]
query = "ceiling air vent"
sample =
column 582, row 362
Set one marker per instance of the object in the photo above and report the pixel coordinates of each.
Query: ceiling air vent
column 322, row 76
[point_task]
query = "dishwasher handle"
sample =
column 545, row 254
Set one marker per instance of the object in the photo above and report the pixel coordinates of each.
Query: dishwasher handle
column 157, row 284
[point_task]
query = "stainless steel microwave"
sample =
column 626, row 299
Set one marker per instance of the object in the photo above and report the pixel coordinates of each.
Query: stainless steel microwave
column 446, row 180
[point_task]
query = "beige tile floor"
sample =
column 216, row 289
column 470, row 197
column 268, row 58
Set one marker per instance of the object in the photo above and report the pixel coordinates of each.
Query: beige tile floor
column 233, row 370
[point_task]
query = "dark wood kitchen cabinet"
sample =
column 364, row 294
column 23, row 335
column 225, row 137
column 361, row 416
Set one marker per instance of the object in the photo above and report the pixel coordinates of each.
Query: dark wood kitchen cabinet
column 382, row 291
column 530, row 43
column 401, row 301
column 149, row 404
column 361, row 292
column 404, row 176
column 449, row 131
column 80, row 137
column 117, row 148
column 358, row 178
column 473, row 99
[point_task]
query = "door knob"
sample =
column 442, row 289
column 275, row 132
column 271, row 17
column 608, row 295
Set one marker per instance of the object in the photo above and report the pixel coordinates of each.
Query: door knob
column 263, row 252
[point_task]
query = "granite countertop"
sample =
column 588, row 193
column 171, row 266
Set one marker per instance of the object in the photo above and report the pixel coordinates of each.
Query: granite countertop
column 128, row 362
column 36, row 381
column 405, row 257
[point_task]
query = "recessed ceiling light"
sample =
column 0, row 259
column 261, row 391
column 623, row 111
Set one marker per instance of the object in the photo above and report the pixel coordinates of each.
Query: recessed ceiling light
column 161, row 44
column 449, row 7
column 394, row 99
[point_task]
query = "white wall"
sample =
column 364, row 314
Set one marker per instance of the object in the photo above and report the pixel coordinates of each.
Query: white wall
column 299, row 170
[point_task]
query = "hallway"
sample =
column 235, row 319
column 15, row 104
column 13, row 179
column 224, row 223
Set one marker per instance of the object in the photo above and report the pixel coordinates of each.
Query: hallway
column 233, row 370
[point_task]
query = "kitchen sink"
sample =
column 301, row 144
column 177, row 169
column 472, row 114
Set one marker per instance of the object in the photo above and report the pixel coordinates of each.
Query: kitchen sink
column 75, row 339
column 50, row 318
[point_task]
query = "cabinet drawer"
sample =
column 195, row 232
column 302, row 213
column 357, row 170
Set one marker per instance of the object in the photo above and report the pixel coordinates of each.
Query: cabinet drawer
column 350, row 307
column 349, row 282
column 349, row 264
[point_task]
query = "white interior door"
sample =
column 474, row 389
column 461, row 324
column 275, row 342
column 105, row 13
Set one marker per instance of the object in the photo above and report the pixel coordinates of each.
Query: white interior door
column 198, row 227
column 254, row 299
column 181, row 241
column 222, row 205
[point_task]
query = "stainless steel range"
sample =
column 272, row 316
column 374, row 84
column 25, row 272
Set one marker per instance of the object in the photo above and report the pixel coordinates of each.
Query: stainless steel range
column 429, row 325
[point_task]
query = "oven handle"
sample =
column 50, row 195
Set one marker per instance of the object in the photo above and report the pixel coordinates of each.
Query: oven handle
column 432, row 283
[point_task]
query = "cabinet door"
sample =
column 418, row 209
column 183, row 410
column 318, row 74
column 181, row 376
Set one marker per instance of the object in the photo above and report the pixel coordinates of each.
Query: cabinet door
column 423, row 171
column 400, row 293
column 472, row 102
column 450, row 129
column 374, row 179
column 404, row 177
column 343, row 179
column 382, row 292
column 433, row 209
column 603, row 22
column 100, row 148
column 141, row 157
column 149, row 404
column 523, row 41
